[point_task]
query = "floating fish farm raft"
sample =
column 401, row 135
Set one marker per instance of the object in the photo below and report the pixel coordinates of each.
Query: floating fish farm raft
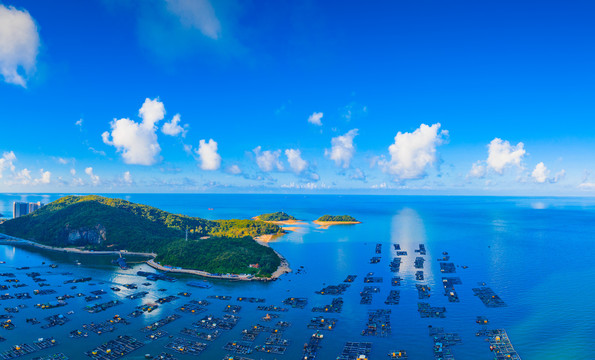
column 443, row 342
column 447, row 268
column 333, row 289
column 115, row 349
column 322, row 323
column 355, row 351
column 501, row 346
column 186, row 346
column 335, row 307
column 427, row 311
column 488, row 297
column 378, row 323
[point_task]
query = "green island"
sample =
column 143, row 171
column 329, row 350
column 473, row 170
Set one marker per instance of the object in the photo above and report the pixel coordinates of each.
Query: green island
column 276, row 216
column 96, row 223
column 336, row 218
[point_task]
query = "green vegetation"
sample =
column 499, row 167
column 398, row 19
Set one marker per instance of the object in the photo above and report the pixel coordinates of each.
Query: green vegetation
column 221, row 256
column 100, row 223
column 276, row 216
column 337, row 218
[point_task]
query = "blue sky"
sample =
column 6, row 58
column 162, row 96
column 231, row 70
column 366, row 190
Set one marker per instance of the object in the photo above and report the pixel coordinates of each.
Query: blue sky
column 396, row 97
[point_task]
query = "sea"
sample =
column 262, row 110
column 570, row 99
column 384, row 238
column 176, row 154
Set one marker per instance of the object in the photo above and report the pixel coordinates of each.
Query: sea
column 536, row 254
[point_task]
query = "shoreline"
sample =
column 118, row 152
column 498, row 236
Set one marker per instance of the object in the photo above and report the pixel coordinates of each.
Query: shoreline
column 282, row 222
column 326, row 224
column 283, row 268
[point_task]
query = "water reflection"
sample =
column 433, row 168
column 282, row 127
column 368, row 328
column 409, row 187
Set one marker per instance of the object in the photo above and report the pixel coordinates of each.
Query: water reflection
column 408, row 230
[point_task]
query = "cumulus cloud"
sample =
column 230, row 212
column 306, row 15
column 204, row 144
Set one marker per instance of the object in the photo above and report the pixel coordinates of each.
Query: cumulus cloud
column 412, row 153
column 19, row 45
column 541, row 174
column 173, row 128
column 197, row 14
column 138, row 141
column 268, row 160
column 315, row 118
column 44, row 178
column 342, row 149
column 7, row 162
column 94, row 178
column 502, row 154
column 478, row 170
column 207, row 152
column 296, row 163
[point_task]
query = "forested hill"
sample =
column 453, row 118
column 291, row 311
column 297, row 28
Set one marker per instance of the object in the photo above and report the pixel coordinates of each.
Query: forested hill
column 100, row 223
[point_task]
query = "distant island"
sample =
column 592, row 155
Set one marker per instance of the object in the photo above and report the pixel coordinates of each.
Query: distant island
column 98, row 224
column 327, row 220
column 276, row 216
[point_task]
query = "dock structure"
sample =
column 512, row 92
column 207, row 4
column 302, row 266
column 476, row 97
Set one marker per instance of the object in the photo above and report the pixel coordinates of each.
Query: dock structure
column 378, row 323
column 447, row 268
column 421, row 250
column 296, row 303
column 427, row 311
column 350, row 278
column 311, row 347
column 395, row 265
column 355, row 351
column 366, row 294
column 423, row 291
column 449, row 288
column 19, row 350
column 336, row 306
column 333, row 289
column 488, row 297
column 322, row 323
column 393, row 298
column 501, row 346
column 115, row 349
column 186, row 346
column 443, row 342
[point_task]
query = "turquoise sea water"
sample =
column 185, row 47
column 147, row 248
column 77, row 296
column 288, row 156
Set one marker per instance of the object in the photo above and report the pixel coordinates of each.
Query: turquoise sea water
column 535, row 253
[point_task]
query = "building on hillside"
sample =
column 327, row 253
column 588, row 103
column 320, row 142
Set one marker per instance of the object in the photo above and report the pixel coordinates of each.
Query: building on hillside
column 23, row 208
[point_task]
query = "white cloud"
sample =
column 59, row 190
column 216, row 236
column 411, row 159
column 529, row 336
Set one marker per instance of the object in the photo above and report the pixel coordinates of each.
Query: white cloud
column 478, row 170
column 19, row 45
column 541, row 174
column 138, row 141
column 268, row 160
column 209, row 159
column 198, row 14
column 234, row 170
column 173, row 127
column 7, row 162
column 72, row 172
column 413, row 152
column 342, row 149
column 127, row 178
column 501, row 154
column 23, row 176
column 79, row 123
column 94, row 178
column 45, row 177
column 315, row 118
column 294, row 157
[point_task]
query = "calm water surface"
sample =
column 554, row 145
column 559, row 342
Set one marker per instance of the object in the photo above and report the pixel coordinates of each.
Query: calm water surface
column 535, row 253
